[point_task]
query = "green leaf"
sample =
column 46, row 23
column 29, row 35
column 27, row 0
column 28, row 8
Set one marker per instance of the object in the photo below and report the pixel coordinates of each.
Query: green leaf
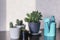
column 27, row 20
column 28, row 15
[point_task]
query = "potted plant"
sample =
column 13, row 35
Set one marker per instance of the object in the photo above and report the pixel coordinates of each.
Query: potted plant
column 19, row 23
column 14, row 31
column 33, row 21
column 23, row 34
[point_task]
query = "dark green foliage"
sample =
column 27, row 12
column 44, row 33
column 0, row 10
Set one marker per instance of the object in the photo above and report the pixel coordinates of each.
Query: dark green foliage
column 22, row 28
column 11, row 25
column 19, row 22
column 35, row 16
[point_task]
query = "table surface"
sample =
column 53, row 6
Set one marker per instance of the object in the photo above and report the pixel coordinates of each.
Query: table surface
column 41, row 37
column 5, row 36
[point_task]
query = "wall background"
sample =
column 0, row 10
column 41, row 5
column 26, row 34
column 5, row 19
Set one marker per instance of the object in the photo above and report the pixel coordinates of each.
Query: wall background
column 10, row 10
column 2, row 15
column 48, row 8
column 17, row 9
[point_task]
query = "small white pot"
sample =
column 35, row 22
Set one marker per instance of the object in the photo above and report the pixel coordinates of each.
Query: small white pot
column 19, row 26
column 14, row 33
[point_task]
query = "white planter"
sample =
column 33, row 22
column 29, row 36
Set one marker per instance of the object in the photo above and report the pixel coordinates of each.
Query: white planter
column 19, row 26
column 14, row 33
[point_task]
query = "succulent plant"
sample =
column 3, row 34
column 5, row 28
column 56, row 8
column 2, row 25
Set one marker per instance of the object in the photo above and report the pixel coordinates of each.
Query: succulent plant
column 19, row 22
column 11, row 25
column 22, row 28
column 34, row 16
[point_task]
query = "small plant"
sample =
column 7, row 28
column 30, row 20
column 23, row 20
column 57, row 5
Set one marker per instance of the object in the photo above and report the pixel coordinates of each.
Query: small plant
column 35, row 16
column 11, row 25
column 22, row 29
column 19, row 22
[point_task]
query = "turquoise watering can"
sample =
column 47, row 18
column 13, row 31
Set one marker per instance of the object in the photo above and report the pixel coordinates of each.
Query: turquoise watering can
column 50, row 28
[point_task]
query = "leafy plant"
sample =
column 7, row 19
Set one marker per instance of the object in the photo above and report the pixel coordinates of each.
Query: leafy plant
column 11, row 25
column 22, row 28
column 34, row 16
column 19, row 22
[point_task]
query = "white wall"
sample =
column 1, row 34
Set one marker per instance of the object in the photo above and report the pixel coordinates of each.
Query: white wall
column 10, row 10
column 17, row 9
column 48, row 8
column 2, row 15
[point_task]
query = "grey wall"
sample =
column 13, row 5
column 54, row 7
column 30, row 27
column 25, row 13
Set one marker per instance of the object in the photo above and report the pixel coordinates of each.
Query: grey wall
column 48, row 8
column 2, row 15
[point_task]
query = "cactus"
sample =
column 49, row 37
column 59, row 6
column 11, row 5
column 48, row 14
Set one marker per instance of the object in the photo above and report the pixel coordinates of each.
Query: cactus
column 19, row 22
column 35, row 16
column 11, row 25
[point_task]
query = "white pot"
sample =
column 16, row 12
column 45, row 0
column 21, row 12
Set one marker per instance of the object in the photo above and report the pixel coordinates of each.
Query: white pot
column 19, row 26
column 14, row 33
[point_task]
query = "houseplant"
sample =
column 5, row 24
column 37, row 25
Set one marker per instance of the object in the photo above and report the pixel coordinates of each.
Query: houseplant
column 14, row 31
column 23, row 34
column 19, row 23
column 33, row 21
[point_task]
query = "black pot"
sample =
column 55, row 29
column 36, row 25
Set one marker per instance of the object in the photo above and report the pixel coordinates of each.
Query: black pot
column 23, row 35
column 34, row 27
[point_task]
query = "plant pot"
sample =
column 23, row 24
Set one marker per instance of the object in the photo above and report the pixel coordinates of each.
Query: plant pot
column 14, row 33
column 19, row 26
column 34, row 27
column 24, row 35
